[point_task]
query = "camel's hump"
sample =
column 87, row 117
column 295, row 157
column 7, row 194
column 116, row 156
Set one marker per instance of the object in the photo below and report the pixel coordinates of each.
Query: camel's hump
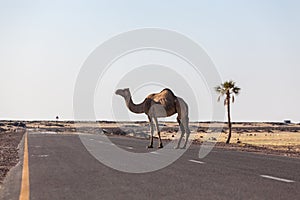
column 167, row 90
column 166, row 95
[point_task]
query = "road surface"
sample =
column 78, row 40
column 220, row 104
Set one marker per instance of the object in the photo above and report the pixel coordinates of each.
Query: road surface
column 60, row 167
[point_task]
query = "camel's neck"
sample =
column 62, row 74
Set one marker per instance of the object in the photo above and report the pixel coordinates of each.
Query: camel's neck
column 135, row 108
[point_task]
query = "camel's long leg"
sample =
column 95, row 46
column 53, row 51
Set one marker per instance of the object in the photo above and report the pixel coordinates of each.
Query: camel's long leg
column 151, row 131
column 187, row 129
column 182, row 131
column 158, row 133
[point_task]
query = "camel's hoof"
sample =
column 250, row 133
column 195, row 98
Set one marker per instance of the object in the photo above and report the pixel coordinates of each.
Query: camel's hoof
column 176, row 147
column 160, row 146
column 149, row 147
column 183, row 147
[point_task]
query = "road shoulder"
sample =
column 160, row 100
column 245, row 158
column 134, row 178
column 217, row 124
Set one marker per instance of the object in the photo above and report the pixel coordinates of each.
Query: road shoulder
column 10, row 188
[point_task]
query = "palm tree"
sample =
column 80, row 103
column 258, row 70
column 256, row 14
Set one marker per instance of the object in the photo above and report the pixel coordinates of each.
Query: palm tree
column 229, row 90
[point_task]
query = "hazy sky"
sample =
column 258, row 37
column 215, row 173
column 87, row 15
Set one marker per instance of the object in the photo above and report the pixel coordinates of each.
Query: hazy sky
column 43, row 45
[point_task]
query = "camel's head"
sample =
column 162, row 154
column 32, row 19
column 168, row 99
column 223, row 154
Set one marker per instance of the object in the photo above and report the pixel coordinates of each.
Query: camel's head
column 123, row 92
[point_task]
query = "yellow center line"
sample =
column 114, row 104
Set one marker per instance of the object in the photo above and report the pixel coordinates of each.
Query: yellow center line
column 25, row 192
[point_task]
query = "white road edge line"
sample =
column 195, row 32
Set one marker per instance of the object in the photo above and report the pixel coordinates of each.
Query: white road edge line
column 277, row 179
column 129, row 147
column 197, row 161
column 154, row 152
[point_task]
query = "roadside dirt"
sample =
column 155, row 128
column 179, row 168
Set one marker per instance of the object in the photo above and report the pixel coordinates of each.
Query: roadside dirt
column 271, row 150
column 9, row 156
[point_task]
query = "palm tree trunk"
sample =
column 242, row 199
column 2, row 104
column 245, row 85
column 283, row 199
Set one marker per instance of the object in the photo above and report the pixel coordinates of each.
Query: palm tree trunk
column 228, row 116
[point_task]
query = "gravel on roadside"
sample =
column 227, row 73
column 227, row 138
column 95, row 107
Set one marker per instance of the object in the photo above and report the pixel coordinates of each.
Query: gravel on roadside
column 9, row 156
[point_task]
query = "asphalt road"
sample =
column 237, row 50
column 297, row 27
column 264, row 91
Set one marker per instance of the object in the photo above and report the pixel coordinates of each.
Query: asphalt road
column 60, row 167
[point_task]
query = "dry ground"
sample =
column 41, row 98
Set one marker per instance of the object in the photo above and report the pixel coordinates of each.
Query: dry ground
column 9, row 156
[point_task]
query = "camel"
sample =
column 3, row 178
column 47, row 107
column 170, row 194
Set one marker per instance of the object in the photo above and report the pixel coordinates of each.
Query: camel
column 163, row 104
